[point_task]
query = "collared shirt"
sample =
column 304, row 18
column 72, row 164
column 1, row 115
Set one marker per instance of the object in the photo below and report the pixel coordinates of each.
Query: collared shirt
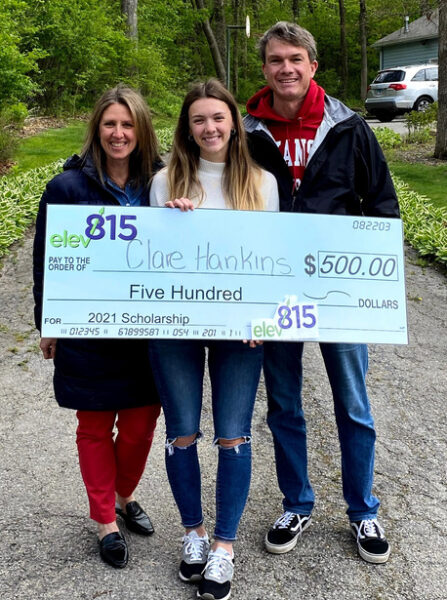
column 130, row 196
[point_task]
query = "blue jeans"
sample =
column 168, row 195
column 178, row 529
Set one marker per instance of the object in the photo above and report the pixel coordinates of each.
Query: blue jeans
column 234, row 369
column 346, row 366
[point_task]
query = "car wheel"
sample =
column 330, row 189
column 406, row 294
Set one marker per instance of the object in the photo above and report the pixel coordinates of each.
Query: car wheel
column 422, row 103
column 384, row 116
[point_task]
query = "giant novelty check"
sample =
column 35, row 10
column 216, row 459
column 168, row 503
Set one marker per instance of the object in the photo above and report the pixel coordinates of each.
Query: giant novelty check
column 125, row 272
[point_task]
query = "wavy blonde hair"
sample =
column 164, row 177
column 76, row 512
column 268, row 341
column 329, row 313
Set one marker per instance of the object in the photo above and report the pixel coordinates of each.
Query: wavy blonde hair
column 241, row 177
column 142, row 159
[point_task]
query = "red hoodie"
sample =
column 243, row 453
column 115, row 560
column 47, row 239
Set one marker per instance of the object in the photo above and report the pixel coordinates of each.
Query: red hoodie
column 294, row 137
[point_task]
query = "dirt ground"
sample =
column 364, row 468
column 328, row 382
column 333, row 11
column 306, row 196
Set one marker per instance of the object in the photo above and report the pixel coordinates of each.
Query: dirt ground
column 48, row 545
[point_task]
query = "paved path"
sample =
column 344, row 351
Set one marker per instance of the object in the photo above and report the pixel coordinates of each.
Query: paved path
column 398, row 124
column 48, row 545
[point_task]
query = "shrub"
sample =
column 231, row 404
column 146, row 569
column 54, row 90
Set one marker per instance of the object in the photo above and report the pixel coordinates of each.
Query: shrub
column 8, row 142
column 16, row 115
column 387, row 138
column 19, row 201
column 165, row 136
column 11, row 121
column 418, row 123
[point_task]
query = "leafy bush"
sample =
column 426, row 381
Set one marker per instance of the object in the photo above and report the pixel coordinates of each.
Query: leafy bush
column 421, row 136
column 16, row 114
column 17, row 64
column 425, row 226
column 8, row 142
column 11, row 120
column 165, row 136
column 166, row 104
column 19, row 201
column 387, row 138
column 418, row 123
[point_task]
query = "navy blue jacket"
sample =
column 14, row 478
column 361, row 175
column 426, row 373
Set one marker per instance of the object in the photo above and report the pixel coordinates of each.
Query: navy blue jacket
column 90, row 374
column 346, row 172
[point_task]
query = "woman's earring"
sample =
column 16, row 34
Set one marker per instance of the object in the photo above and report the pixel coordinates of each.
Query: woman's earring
column 190, row 138
column 233, row 133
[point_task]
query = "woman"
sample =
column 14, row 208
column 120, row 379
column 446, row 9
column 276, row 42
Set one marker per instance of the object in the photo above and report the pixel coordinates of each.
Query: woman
column 105, row 381
column 210, row 168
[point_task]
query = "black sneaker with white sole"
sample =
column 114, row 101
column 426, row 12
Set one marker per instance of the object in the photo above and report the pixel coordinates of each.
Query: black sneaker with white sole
column 371, row 541
column 284, row 534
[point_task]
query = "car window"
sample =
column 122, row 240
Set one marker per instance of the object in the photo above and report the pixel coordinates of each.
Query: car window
column 389, row 76
column 420, row 76
column 431, row 74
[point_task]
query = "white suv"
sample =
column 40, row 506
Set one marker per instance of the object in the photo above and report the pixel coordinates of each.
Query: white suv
column 400, row 89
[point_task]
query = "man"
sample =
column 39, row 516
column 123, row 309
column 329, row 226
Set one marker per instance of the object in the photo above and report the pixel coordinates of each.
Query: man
column 326, row 160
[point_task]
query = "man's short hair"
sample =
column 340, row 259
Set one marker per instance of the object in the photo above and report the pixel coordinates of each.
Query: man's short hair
column 289, row 33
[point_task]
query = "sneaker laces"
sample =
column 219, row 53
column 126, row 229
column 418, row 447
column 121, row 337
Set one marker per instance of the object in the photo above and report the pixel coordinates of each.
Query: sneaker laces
column 284, row 520
column 218, row 564
column 371, row 529
column 194, row 546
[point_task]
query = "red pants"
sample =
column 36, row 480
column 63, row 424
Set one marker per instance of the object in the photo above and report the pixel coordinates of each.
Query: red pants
column 109, row 464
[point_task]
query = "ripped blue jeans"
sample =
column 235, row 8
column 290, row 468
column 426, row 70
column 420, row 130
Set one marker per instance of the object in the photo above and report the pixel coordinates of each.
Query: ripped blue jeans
column 234, row 370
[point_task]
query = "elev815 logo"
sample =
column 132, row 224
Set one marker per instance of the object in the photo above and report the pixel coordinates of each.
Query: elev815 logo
column 98, row 227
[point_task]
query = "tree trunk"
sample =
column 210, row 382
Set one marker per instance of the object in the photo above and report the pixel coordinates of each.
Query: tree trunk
column 343, row 50
column 255, row 6
column 441, row 135
column 295, row 10
column 219, row 25
column 363, row 51
column 234, row 83
column 129, row 10
column 212, row 42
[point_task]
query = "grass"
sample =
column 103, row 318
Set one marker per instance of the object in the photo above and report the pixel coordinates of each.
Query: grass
column 51, row 145
column 426, row 180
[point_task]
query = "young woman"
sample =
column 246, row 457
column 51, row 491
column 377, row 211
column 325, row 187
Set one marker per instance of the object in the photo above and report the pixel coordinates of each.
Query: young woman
column 106, row 380
column 210, row 168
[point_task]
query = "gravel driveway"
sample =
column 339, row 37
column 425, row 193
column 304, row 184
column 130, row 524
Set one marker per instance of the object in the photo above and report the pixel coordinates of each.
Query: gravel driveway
column 48, row 544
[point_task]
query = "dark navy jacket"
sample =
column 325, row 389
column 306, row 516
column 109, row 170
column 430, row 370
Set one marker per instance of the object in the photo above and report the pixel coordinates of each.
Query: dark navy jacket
column 346, row 173
column 90, row 374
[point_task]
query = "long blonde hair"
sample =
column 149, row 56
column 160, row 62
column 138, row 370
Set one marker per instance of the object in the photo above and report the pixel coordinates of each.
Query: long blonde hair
column 241, row 177
column 144, row 156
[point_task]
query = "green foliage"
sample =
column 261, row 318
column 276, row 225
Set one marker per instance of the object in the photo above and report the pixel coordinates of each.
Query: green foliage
column 8, row 141
column 421, row 136
column 425, row 226
column 165, row 136
column 19, row 201
column 387, row 138
column 84, row 50
column 17, row 63
column 418, row 123
column 16, row 114
column 166, row 104
column 11, row 121
column 58, row 56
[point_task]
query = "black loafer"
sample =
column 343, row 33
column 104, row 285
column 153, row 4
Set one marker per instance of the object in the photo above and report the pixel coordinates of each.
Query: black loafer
column 113, row 550
column 136, row 519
